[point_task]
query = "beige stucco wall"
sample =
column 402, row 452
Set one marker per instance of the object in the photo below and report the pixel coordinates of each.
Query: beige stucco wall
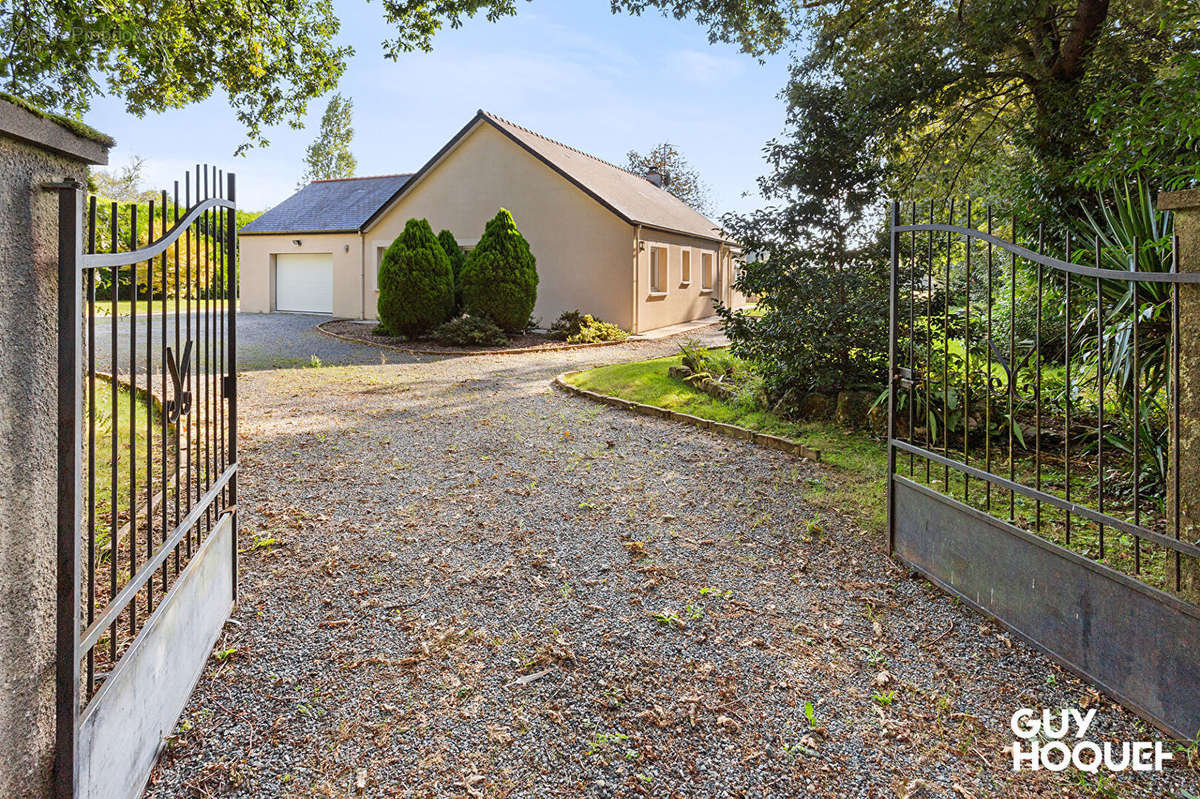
column 257, row 265
column 680, row 302
column 587, row 256
column 584, row 252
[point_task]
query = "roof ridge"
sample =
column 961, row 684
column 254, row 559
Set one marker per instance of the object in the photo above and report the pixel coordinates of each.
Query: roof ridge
column 363, row 177
column 566, row 146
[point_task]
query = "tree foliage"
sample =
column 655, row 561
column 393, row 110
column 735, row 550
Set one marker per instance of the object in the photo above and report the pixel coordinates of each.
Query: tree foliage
column 269, row 58
column 329, row 156
column 458, row 259
column 500, row 278
column 125, row 184
column 416, row 286
column 990, row 97
column 679, row 177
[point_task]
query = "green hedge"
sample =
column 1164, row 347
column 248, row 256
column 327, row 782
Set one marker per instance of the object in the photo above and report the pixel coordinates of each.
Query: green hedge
column 416, row 283
column 500, row 278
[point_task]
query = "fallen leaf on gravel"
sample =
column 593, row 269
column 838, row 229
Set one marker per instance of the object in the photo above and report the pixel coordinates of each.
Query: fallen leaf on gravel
column 728, row 723
column 635, row 548
column 360, row 780
column 882, row 678
column 498, row 733
column 528, row 678
column 961, row 791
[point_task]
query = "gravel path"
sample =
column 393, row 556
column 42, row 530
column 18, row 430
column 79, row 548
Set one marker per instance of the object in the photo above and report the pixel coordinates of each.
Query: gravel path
column 469, row 584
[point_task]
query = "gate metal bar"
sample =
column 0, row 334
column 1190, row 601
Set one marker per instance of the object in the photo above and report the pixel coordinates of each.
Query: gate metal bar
column 183, row 489
column 1109, row 536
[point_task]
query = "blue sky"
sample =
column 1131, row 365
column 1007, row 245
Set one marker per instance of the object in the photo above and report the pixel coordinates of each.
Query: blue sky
column 568, row 69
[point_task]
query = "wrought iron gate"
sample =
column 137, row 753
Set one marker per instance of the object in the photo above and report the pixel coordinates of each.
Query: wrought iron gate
column 1034, row 444
column 147, row 453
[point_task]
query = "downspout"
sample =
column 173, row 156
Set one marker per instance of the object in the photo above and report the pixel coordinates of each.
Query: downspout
column 637, row 274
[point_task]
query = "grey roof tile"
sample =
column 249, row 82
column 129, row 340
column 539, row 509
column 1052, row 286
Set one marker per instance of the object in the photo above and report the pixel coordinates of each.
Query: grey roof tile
column 631, row 196
column 325, row 206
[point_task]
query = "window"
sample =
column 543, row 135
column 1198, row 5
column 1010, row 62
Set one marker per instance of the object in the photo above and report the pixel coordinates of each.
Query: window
column 706, row 276
column 658, row 270
column 686, row 279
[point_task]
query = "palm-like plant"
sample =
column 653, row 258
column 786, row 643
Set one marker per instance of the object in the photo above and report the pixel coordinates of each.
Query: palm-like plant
column 1127, row 233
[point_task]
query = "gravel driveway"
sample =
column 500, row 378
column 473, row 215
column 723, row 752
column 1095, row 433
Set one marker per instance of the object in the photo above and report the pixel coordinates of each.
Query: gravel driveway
column 466, row 583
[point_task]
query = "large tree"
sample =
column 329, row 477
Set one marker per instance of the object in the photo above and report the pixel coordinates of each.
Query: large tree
column 678, row 176
column 329, row 156
column 995, row 95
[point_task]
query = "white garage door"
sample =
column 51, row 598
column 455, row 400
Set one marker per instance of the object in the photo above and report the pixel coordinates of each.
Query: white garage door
column 304, row 282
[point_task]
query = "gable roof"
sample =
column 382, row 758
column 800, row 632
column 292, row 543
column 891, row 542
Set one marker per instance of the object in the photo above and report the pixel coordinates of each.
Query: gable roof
column 631, row 197
column 329, row 206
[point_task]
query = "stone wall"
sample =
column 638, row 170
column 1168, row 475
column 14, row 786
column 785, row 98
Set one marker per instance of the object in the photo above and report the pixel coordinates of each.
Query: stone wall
column 28, row 436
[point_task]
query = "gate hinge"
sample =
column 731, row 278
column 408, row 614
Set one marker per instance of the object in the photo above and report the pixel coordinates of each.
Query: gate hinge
column 229, row 386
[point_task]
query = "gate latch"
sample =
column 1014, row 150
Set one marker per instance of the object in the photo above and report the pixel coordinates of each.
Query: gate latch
column 907, row 378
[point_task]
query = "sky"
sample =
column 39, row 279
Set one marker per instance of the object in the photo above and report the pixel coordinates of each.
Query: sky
column 568, row 69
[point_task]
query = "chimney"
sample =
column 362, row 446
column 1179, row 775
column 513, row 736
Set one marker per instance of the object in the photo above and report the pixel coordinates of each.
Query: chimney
column 655, row 177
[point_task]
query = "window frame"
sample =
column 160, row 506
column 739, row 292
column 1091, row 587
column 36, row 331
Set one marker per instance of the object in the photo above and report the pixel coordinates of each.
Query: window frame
column 708, row 272
column 658, row 281
column 685, row 267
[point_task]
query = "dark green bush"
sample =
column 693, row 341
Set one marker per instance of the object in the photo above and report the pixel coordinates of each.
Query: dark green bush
column 500, row 278
column 458, row 259
column 416, row 284
column 470, row 331
column 566, row 325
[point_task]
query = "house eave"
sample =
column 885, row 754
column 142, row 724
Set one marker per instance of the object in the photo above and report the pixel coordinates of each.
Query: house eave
column 296, row 232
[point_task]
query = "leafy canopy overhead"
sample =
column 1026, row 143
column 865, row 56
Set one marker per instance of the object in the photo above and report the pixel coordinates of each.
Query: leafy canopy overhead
column 679, row 177
column 329, row 156
column 989, row 96
column 269, row 57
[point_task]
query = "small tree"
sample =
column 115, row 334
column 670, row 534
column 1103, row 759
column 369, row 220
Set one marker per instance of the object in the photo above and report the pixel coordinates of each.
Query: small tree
column 329, row 156
column 416, row 285
column 458, row 259
column 678, row 177
column 500, row 278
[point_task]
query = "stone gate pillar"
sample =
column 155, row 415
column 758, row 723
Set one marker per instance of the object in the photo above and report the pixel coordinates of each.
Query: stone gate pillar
column 35, row 149
column 1186, row 207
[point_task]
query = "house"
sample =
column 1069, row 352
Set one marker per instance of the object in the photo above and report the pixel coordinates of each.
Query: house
column 607, row 242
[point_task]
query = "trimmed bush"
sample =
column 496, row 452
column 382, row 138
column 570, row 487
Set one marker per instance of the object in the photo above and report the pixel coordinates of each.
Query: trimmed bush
column 416, row 284
column 470, row 331
column 574, row 327
column 458, row 259
column 500, row 278
column 567, row 324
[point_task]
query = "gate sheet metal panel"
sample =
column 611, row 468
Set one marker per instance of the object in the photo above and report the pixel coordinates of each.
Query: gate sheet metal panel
column 123, row 728
column 1138, row 644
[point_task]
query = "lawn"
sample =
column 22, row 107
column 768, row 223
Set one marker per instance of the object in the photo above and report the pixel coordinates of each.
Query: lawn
column 105, row 307
column 855, row 482
column 105, row 453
